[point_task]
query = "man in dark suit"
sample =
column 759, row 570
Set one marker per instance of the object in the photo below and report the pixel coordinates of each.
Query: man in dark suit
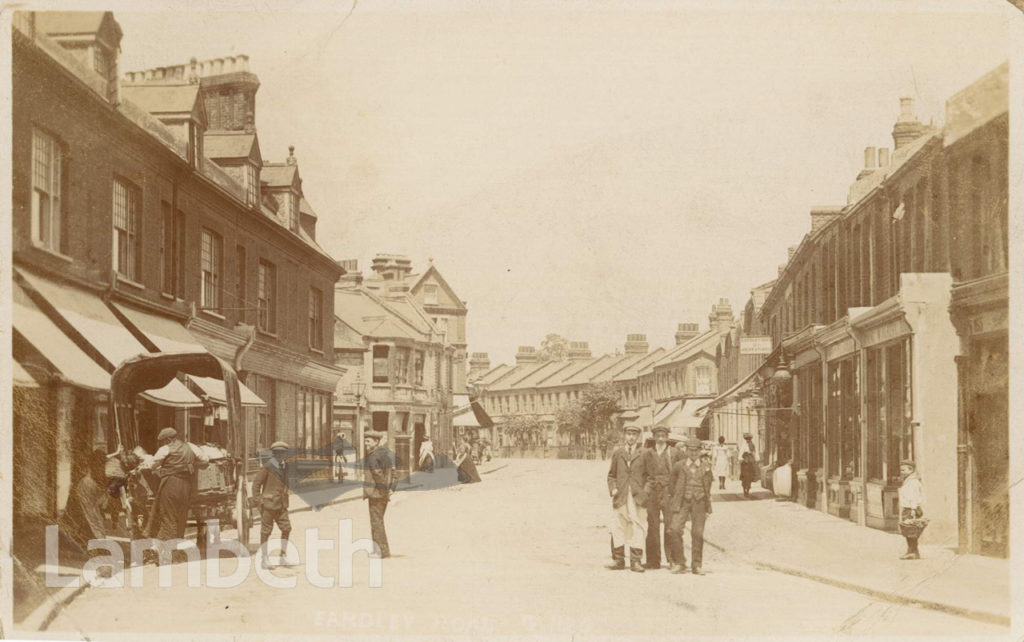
column 270, row 488
column 689, row 489
column 378, row 484
column 627, row 479
column 660, row 457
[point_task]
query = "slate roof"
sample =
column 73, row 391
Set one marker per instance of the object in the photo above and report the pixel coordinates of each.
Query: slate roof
column 68, row 22
column 278, row 174
column 633, row 370
column 223, row 144
column 163, row 99
column 365, row 314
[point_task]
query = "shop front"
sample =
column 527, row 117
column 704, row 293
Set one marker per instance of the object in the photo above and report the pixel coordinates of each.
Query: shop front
column 981, row 313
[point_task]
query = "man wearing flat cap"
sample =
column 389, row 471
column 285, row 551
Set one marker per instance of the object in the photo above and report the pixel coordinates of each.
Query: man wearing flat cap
column 627, row 479
column 270, row 488
column 660, row 457
column 175, row 463
column 378, row 484
column 689, row 490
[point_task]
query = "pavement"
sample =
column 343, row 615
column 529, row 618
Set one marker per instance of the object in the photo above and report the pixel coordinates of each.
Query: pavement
column 793, row 539
column 524, row 553
column 36, row 605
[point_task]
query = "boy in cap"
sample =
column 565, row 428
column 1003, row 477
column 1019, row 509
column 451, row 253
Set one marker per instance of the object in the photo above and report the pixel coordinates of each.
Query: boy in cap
column 271, row 488
column 378, row 485
column 689, row 489
column 660, row 457
column 627, row 479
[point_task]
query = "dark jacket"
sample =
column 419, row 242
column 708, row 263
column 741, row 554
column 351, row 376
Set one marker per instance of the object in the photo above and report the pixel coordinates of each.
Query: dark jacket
column 683, row 486
column 628, row 473
column 379, row 479
column 660, row 467
column 271, row 486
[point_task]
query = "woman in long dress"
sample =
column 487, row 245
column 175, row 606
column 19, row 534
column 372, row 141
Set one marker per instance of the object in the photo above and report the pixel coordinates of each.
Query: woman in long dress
column 464, row 462
column 720, row 457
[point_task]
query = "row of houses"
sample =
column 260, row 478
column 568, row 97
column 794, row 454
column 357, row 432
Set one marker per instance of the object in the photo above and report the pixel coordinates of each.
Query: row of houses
column 663, row 386
column 147, row 218
column 888, row 334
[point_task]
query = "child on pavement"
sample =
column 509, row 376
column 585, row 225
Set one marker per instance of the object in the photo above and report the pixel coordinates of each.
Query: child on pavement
column 911, row 496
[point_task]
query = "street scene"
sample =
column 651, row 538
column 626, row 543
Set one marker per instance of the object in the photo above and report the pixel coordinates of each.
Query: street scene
column 472, row 320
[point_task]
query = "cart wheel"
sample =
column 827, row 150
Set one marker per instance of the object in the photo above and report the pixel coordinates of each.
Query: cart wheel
column 242, row 520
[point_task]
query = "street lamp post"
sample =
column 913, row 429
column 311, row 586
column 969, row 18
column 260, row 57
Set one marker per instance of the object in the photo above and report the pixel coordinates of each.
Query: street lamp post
column 358, row 389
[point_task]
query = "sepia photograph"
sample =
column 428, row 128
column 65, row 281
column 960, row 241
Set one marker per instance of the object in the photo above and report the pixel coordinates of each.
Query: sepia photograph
column 450, row 319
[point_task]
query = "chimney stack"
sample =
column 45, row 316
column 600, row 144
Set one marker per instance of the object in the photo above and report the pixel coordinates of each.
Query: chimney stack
column 637, row 344
column 352, row 274
column 721, row 318
column 685, row 332
column 391, row 266
column 823, row 215
column 479, row 363
column 870, row 156
column 527, row 355
column 579, row 350
column 907, row 127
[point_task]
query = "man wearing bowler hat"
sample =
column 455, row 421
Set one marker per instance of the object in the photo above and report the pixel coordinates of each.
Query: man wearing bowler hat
column 660, row 457
column 378, row 484
column 689, row 489
column 271, row 489
column 627, row 479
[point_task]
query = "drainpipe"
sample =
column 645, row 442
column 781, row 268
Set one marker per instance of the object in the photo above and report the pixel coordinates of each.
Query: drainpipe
column 862, row 516
column 243, row 349
column 963, row 488
column 823, row 475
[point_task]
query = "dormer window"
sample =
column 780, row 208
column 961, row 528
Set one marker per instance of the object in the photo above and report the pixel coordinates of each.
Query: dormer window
column 105, row 65
column 290, row 211
column 251, row 180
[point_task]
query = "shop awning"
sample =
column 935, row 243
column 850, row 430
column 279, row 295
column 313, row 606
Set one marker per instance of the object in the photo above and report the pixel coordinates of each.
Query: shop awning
column 742, row 385
column 680, row 414
column 90, row 317
column 214, row 389
column 48, row 340
column 465, row 418
column 167, row 334
column 21, row 378
column 665, row 410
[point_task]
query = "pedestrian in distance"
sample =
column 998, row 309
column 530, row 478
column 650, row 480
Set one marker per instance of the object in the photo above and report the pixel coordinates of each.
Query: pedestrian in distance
column 627, row 480
column 720, row 458
column 378, row 485
column 427, row 455
column 689, row 490
column 270, row 488
column 912, row 519
column 175, row 463
column 467, row 472
column 338, row 448
column 660, row 457
column 747, row 472
column 748, row 446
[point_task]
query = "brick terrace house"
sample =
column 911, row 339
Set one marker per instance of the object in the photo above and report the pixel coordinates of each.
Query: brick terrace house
column 128, row 237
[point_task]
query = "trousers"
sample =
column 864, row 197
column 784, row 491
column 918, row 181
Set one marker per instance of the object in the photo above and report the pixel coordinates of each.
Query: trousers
column 270, row 516
column 690, row 510
column 657, row 512
column 629, row 525
column 380, row 537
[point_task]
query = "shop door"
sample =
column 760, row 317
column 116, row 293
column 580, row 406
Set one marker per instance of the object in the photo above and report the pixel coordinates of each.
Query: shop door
column 990, row 448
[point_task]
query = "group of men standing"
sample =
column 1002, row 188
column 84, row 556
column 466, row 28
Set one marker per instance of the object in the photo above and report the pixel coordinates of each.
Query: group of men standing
column 651, row 486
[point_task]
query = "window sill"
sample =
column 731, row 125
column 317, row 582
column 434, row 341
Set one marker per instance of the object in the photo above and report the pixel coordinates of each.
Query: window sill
column 266, row 333
column 125, row 280
column 316, row 350
column 211, row 313
column 51, row 252
column 168, row 296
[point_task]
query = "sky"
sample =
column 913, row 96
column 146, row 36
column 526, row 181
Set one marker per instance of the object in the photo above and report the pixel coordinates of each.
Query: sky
column 593, row 170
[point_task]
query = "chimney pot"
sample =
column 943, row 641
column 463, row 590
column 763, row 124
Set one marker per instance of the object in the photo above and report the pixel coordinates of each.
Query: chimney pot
column 869, row 158
column 907, row 109
column 883, row 156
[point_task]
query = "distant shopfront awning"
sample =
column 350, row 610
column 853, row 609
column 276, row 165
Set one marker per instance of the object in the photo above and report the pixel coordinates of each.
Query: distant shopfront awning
column 214, row 389
column 679, row 415
column 84, row 314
